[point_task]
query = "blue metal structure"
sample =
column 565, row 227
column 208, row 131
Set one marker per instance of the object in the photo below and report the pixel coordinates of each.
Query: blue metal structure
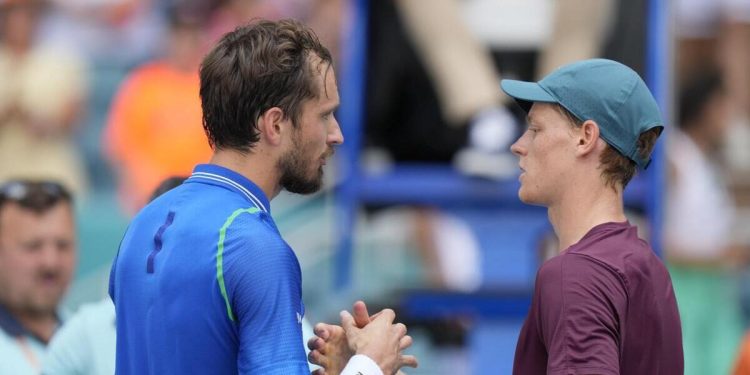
column 658, row 78
column 350, row 116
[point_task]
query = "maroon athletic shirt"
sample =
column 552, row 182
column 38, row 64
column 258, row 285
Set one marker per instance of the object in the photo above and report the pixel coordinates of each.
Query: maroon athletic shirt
column 603, row 306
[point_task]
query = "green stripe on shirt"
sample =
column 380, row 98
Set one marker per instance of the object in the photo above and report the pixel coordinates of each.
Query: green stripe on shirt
column 220, row 254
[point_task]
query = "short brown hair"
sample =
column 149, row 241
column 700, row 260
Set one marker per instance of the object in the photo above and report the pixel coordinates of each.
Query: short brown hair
column 37, row 196
column 616, row 167
column 254, row 68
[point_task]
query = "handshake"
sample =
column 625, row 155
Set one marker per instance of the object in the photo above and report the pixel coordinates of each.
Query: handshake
column 361, row 334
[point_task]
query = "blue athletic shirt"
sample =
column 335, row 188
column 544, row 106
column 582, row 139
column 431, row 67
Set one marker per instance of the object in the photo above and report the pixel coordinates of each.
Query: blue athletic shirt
column 204, row 284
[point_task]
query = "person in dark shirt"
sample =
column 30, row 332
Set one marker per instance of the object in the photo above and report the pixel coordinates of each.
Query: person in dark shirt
column 605, row 304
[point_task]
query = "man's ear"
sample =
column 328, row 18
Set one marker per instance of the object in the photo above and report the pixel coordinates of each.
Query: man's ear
column 270, row 125
column 587, row 138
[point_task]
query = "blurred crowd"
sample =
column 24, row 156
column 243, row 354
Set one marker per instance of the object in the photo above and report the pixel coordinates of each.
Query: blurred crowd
column 102, row 96
column 86, row 80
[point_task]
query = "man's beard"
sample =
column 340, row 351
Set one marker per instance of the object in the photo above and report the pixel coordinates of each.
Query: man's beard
column 39, row 309
column 35, row 302
column 35, row 306
column 294, row 173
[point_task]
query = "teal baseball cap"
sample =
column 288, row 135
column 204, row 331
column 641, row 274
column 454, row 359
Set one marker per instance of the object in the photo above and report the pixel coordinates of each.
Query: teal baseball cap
column 605, row 91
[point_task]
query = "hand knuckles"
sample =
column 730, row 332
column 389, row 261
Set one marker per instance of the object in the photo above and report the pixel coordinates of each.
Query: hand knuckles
column 389, row 314
column 406, row 342
column 400, row 328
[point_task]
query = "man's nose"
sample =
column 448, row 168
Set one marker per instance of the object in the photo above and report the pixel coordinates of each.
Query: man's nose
column 335, row 136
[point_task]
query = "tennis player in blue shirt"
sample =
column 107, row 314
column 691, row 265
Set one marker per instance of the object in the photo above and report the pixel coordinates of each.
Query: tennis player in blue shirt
column 203, row 282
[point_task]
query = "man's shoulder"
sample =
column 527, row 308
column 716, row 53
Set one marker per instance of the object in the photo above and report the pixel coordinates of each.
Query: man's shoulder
column 575, row 267
column 247, row 224
column 100, row 311
column 616, row 248
column 249, row 233
column 14, row 355
column 203, row 220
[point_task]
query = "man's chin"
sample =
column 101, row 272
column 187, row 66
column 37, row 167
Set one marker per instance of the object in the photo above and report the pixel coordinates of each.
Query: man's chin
column 305, row 188
column 528, row 199
column 41, row 308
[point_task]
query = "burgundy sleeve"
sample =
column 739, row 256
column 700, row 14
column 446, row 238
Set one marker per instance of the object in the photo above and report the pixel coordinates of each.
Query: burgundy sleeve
column 581, row 304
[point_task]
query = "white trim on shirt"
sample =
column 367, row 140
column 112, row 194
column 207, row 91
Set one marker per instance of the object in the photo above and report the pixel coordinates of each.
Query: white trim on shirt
column 242, row 189
column 361, row 365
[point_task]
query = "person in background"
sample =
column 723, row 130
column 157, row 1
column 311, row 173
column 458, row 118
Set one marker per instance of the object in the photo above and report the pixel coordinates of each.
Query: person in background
column 328, row 18
column 715, row 35
column 86, row 343
column 110, row 34
column 702, row 254
column 37, row 259
column 42, row 98
column 155, row 127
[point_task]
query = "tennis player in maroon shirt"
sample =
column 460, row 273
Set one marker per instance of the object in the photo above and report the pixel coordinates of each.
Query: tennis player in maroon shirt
column 605, row 303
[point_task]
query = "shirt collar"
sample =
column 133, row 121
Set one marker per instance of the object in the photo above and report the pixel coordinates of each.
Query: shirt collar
column 218, row 175
column 9, row 324
column 13, row 327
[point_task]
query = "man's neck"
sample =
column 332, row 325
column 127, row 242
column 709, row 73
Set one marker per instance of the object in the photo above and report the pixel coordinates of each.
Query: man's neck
column 583, row 208
column 41, row 326
column 254, row 166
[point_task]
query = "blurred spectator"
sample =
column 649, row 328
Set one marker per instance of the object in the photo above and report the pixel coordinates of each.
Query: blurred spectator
column 717, row 33
column 155, row 125
column 742, row 367
column 37, row 259
column 325, row 17
column 233, row 13
column 698, row 229
column 580, row 31
column 41, row 98
column 116, row 33
column 86, row 344
column 427, row 75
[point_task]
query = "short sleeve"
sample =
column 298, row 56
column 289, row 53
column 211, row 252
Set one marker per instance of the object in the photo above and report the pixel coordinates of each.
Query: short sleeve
column 85, row 344
column 582, row 326
column 263, row 285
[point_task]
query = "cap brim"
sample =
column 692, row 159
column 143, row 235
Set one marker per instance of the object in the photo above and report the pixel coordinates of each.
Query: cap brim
column 526, row 93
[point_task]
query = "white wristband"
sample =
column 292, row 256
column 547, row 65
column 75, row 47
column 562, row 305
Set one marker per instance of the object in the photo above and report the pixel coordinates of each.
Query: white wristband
column 361, row 365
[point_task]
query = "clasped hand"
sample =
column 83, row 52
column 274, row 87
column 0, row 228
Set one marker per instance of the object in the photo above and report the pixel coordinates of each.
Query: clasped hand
column 375, row 336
